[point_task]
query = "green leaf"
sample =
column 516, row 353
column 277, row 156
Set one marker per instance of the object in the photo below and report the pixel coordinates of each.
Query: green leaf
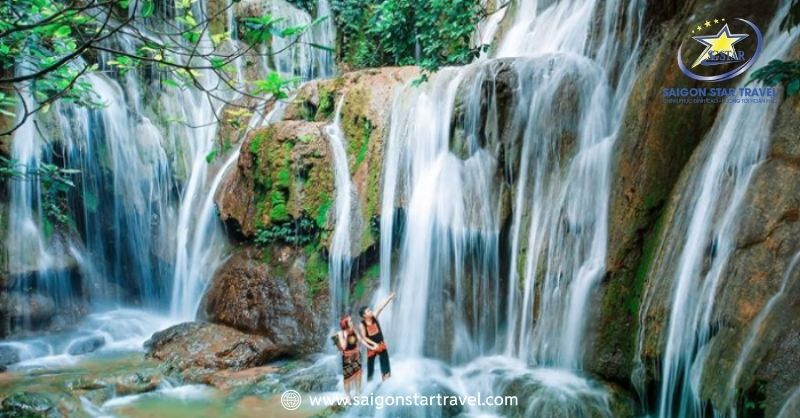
column 171, row 83
column 793, row 87
column 148, row 8
column 62, row 32
column 217, row 62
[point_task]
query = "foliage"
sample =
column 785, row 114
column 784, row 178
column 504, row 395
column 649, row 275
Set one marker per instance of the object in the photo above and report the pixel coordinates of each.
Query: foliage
column 780, row 72
column 55, row 183
column 792, row 18
column 405, row 32
column 308, row 5
column 302, row 232
column 220, row 148
column 48, row 47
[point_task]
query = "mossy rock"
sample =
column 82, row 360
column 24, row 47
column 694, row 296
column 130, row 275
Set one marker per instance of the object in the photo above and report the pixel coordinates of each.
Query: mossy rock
column 284, row 173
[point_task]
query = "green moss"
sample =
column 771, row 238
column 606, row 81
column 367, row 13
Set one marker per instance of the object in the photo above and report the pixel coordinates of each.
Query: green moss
column 357, row 127
column 327, row 104
column 273, row 176
column 370, row 275
column 258, row 141
column 278, row 213
column 322, row 212
column 316, row 273
column 284, row 177
column 364, row 146
column 645, row 263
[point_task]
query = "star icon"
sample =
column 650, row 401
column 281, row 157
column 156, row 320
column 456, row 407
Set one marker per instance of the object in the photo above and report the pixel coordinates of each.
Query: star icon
column 721, row 43
column 708, row 24
column 699, row 28
column 716, row 20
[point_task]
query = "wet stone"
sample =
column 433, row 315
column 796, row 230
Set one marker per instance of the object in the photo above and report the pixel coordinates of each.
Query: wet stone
column 86, row 345
column 8, row 355
column 29, row 405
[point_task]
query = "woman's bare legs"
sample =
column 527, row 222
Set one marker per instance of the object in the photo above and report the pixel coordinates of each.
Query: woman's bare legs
column 347, row 387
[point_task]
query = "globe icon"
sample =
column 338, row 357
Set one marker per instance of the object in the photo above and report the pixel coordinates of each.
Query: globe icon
column 291, row 400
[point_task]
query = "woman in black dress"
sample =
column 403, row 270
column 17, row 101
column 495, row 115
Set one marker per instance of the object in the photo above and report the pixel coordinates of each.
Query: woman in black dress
column 372, row 334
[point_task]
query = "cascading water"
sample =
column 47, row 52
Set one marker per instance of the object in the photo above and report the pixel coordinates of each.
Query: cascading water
column 144, row 223
column 570, row 77
column 348, row 215
column 708, row 216
column 307, row 57
column 325, row 39
column 452, row 223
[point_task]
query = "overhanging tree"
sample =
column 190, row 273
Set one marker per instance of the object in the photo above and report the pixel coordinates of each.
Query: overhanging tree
column 47, row 47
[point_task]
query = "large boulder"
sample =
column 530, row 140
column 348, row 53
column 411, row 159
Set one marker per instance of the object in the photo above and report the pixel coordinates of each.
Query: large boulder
column 196, row 350
column 278, row 293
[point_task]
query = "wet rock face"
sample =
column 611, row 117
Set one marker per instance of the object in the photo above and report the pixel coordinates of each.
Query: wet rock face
column 269, row 299
column 758, row 306
column 195, row 349
column 653, row 151
column 34, row 308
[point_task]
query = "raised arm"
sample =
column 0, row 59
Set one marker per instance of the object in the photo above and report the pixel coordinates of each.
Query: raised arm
column 383, row 305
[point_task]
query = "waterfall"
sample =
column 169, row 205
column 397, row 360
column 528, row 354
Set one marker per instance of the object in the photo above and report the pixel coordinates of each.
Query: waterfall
column 143, row 229
column 707, row 217
column 347, row 216
column 449, row 252
column 325, row 36
column 303, row 57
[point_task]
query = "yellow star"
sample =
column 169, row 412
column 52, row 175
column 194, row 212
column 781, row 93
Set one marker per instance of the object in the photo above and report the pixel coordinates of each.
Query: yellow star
column 721, row 43
column 699, row 28
column 716, row 20
column 708, row 24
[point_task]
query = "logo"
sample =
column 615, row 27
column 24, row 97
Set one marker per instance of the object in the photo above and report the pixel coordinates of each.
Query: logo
column 290, row 400
column 720, row 49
